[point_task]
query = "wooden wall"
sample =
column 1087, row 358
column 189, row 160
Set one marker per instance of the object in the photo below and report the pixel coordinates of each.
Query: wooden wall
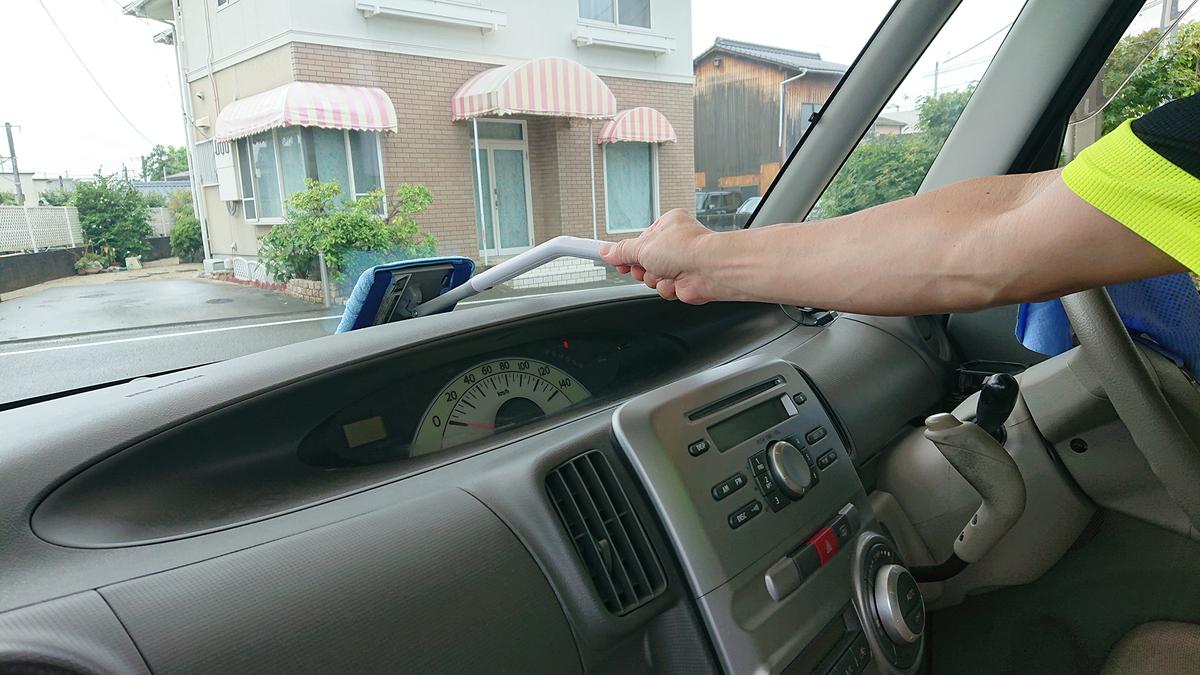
column 737, row 118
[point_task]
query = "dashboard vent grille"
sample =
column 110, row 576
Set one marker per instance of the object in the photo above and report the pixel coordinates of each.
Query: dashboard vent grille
column 606, row 532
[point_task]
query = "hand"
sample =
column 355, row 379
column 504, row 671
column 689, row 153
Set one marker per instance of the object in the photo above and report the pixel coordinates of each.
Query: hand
column 667, row 257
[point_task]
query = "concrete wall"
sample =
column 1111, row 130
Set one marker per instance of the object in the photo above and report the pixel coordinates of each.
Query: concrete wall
column 23, row 270
column 242, row 29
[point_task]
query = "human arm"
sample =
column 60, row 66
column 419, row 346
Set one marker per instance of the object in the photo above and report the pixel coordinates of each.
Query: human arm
column 975, row 244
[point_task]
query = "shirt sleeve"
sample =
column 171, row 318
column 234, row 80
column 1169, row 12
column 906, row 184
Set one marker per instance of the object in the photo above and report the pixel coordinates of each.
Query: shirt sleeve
column 1145, row 174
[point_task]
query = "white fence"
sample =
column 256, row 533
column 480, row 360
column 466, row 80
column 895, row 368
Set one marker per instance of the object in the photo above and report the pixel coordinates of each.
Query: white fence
column 29, row 228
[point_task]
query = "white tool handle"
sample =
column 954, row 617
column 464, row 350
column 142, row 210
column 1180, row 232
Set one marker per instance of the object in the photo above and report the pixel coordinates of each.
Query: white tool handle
column 989, row 469
column 537, row 256
column 521, row 263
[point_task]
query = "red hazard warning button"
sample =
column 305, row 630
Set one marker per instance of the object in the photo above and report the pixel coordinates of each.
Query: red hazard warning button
column 826, row 543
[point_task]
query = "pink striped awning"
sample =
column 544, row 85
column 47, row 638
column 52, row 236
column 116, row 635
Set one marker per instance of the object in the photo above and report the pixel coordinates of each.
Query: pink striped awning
column 551, row 86
column 640, row 125
column 308, row 104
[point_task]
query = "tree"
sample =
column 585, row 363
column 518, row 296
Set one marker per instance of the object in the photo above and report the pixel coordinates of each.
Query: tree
column 1171, row 73
column 114, row 217
column 162, row 161
column 155, row 200
column 353, row 236
column 885, row 168
column 8, row 199
column 57, row 197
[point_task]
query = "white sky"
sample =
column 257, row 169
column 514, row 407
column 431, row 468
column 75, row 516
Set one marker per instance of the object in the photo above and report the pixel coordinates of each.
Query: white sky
column 67, row 125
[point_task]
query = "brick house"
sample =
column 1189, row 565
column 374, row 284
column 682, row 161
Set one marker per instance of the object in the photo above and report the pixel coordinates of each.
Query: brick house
column 538, row 165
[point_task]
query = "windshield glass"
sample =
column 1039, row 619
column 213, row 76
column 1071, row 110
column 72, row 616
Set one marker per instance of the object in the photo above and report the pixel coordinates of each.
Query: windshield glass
column 188, row 181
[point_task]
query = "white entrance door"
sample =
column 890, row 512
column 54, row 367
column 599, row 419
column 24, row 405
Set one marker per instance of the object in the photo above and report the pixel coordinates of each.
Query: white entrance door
column 506, row 226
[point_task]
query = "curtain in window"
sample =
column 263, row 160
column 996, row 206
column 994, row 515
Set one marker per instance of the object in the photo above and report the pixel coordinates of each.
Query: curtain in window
column 243, row 152
column 291, row 160
column 266, row 175
column 597, row 10
column 628, row 186
column 365, row 158
column 329, row 158
column 634, row 12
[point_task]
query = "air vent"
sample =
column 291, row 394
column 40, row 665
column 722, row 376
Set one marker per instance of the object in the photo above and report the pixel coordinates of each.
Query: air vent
column 606, row 532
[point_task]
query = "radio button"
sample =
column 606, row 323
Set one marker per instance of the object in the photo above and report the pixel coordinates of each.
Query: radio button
column 745, row 514
column 777, row 501
column 815, row 435
column 728, row 486
column 826, row 460
column 698, row 448
column 758, row 462
column 799, row 398
column 766, row 482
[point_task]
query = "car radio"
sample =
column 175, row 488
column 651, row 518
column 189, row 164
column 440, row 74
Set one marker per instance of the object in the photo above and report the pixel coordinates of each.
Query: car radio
column 757, row 490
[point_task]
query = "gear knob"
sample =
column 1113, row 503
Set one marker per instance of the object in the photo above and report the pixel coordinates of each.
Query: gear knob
column 996, row 401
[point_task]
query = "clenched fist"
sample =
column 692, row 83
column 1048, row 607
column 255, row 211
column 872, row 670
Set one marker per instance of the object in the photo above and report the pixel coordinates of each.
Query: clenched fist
column 675, row 256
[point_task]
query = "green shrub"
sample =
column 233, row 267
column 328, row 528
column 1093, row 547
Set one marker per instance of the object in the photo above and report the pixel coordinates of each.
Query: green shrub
column 93, row 260
column 8, row 199
column 57, row 197
column 114, row 217
column 185, row 238
column 352, row 237
column 155, row 200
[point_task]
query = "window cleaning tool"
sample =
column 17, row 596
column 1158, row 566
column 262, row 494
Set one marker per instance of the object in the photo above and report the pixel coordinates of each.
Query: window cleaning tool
column 412, row 288
column 535, row 257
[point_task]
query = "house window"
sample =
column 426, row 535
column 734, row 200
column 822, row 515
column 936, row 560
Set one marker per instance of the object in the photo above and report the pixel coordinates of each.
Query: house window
column 807, row 110
column 630, row 186
column 275, row 164
column 622, row 12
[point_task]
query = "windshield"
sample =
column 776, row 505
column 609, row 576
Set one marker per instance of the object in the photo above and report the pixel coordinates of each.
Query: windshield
column 188, row 181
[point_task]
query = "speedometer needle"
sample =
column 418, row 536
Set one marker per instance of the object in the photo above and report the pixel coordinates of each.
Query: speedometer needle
column 481, row 425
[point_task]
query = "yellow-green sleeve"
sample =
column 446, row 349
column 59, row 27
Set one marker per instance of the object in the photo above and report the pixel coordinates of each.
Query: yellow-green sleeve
column 1128, row 180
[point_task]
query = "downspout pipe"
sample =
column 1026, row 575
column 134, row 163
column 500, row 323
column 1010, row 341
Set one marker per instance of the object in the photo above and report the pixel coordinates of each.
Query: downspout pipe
column 782, row 96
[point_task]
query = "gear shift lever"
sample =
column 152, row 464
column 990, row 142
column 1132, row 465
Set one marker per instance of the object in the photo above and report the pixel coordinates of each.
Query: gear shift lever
column 996, row 401
column 974, row 450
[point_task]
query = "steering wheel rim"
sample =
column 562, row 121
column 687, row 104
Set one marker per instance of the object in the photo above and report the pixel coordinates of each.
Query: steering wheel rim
column 1132, row 388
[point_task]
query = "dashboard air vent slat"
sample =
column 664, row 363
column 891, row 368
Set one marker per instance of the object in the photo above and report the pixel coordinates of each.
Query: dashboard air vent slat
column 606, row 532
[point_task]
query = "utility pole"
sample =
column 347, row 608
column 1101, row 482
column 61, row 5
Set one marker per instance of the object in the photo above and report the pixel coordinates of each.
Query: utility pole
column 937, row 65
column 1170, row 10
column 12, row 157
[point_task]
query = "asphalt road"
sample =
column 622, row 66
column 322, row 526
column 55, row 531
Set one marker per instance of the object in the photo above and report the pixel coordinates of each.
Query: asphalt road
column 63, row 339
column 71, row 337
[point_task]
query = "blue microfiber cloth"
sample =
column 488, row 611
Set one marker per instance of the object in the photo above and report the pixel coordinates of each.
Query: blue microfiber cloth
column 1162, row 312
column 374, row 283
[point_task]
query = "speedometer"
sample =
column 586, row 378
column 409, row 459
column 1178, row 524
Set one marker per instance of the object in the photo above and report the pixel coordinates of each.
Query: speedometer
column 493, row 395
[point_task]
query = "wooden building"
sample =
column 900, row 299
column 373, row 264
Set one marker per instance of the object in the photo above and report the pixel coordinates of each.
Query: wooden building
column 742, row 131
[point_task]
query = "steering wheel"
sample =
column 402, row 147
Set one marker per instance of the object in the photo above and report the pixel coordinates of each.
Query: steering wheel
column 1132, row 388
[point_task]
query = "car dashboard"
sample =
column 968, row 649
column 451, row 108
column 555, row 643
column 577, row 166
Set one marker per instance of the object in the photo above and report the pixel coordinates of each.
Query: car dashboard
column 301, row 509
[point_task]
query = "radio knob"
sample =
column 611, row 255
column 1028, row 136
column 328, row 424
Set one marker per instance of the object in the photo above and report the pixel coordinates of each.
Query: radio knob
column 790, row 469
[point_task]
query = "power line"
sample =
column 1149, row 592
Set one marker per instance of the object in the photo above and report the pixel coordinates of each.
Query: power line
column 95, row 81
column 1002, row 29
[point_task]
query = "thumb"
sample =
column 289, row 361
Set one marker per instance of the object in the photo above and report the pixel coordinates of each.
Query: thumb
column 624, row 252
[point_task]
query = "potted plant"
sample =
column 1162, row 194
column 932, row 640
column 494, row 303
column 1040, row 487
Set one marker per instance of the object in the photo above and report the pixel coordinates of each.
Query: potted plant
column 90, row 263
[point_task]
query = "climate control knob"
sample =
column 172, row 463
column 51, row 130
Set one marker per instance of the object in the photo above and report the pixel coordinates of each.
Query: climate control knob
column 899, row 604
column 789, row 468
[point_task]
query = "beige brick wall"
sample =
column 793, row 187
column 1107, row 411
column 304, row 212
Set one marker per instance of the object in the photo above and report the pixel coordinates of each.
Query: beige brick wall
column 432, row 150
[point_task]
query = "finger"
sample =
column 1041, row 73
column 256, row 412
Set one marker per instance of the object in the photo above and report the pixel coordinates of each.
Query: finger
column 666, row 288
column 638, row 272
column 623, row 269
column 623, row 252
column 652, row 279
